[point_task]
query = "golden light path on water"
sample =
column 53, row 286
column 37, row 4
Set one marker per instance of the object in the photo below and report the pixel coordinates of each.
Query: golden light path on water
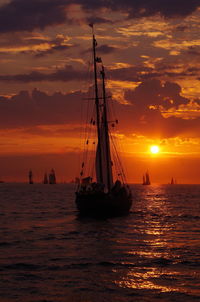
column 140, row 280
column 158, row 277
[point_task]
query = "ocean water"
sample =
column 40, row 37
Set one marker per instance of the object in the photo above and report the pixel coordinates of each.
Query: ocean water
column 49, row 254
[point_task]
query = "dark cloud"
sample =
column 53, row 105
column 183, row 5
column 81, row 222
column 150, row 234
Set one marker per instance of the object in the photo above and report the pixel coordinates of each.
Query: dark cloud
column 138, row 73
column 143, row 8
column 97, row 20
column 27, row 110
column 70, row 74
column 38, row 108
column 52, row 49
column 106, row 49
column 66, row 74
column 194, row 51
column 103, row 49
column 150, row 121
column 131, row 73
column 154, row 93
column 42, row 45
column 181, row 28
column 58, row 44
column 23, row 15
column 13, row 40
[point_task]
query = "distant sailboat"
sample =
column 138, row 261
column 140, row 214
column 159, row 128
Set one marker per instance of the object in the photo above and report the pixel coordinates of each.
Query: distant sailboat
column 30, row 176
column 45, row 180
column 52, row 177
column 146, row 179
column 173, row 181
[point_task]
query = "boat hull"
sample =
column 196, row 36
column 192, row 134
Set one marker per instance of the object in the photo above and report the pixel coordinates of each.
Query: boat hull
column 99, row 204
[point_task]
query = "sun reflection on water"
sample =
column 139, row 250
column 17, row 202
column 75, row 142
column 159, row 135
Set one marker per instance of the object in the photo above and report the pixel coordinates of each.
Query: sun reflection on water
column 151, row 279
column 153, row 259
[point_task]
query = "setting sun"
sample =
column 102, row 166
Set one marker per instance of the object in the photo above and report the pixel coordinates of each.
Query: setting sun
column 154, row 149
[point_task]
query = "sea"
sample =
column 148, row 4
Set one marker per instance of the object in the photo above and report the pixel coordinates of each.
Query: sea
column 50, row 254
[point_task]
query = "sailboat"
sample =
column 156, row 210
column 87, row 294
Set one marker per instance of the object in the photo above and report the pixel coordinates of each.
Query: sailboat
column 146, row 179
column 172, row 181
column 102, row 197
column 52, row 177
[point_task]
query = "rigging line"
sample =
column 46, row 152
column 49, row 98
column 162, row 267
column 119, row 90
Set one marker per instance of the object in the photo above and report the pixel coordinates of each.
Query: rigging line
column 89, row 149
column 82, row 131
column 91, row 137
column 112, row 108
column 118, row 172
column 115, row 165
column 85, row 137
column 87, row 146
column 83, row 86
column 92, row 159
column 90, row 134
column 112, row 112
column 87, row 79
column 86, row 128
column 118, row 168
column 119, row 161
column 120, row 148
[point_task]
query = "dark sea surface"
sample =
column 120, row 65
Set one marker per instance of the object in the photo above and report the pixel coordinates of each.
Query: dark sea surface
column 49, row 254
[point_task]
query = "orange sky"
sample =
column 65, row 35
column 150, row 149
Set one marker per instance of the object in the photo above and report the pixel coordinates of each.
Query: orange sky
column 151, row 55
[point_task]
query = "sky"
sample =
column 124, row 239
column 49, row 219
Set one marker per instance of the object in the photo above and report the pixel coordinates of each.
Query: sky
column 151, row 51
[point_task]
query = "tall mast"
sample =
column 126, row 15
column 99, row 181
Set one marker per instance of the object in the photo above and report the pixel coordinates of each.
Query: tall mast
column 105, row 122
column 97, row 107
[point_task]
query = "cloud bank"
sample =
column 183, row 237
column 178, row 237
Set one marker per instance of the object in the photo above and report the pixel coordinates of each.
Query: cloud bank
column 23, row 15
column 38, row 108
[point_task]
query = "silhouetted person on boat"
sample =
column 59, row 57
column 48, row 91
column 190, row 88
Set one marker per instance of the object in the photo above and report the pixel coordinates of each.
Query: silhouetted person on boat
column 117, row 186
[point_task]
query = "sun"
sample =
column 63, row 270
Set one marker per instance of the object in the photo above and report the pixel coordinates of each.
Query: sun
column 154, row 149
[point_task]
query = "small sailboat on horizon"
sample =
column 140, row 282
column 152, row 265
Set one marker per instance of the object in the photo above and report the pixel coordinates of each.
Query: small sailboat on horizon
column 52, row 177
column 102, row 197
column 173, row 181
column 146, row 179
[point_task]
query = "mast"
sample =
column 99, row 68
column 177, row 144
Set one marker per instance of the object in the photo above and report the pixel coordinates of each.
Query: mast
column 107, row 142
column 97, row 107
